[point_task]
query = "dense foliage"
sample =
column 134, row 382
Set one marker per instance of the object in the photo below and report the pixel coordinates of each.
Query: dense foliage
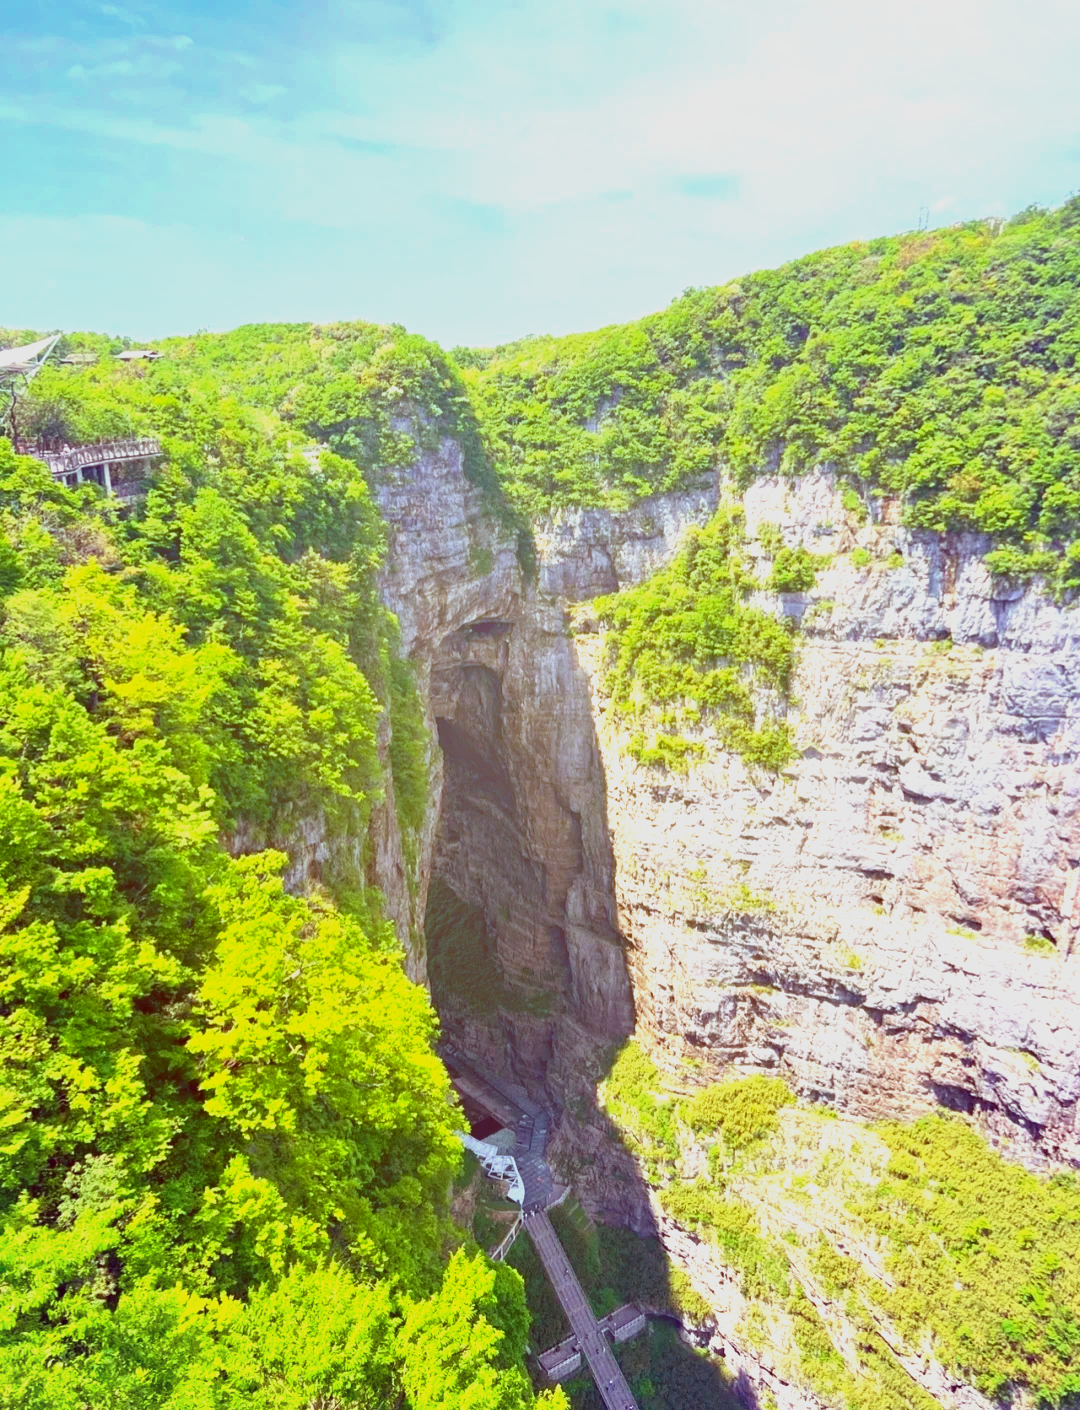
column 741, row 1111
column 227, row 1144
column 686, row 647
column 981, row 1255
column 940, row 366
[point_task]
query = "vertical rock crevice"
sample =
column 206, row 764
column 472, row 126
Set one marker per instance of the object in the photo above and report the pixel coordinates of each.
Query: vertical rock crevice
column 522, row 838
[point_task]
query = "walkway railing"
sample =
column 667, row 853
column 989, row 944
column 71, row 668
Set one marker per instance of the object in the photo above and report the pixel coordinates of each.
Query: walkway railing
column 497, row 1166
column 62, row 462
column 506, row 1244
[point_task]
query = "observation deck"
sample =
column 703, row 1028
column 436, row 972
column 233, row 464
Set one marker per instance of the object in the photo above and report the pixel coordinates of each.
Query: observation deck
column 120, row 467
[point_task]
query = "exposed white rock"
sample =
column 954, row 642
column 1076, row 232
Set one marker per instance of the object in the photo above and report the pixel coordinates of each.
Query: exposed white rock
column 930, row 826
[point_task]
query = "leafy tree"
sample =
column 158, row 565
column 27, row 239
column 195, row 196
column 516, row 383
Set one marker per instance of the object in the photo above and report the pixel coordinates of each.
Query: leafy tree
column 462, row 1347
column 226, row 1143
column 316, row 1339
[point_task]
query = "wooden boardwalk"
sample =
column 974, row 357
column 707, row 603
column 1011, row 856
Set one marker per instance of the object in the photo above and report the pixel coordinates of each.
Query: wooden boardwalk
column 610, row 1381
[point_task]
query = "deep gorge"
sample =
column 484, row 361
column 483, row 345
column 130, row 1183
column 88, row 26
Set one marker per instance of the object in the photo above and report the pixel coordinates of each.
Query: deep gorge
column 675, row 723
column 856, row 925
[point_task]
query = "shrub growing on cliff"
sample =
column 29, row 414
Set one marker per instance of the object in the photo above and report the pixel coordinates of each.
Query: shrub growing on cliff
column 633, row 1095
column 743, row 1111
column 985, row 1255
column 408, row 758
column 688, row 638
column 793, row 570
column 732, row 1226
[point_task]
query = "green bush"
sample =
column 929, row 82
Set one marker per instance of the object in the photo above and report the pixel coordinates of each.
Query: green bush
column 793, row 570
column 687, row 637
column 409, row 744
column 853, row 504
column 1022, row 564
column 744, row 1110
column 770, row 538
column 731, row 1225
column 633, row 1096
column 666, row 751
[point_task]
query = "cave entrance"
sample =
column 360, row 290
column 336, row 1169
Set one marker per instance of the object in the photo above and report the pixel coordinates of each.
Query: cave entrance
column 522, row 879
column 481, row 1123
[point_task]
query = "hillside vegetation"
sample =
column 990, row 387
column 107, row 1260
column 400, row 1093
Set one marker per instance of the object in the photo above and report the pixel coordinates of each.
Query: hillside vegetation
column 686, row 646
column 957, row 1251
column 940, row 366
column 227, row 1144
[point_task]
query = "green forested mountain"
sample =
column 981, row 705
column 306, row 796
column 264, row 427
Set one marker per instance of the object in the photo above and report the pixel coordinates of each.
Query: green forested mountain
column 226, row 1143
column 941, row 366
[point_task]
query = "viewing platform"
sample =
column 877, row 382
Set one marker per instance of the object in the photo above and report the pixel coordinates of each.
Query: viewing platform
column 560, row 1362
column 120, row 467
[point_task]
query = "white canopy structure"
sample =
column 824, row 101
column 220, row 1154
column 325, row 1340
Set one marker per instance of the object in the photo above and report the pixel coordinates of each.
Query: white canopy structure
column 497, row 1166
column 25, row 361
column 18, row 368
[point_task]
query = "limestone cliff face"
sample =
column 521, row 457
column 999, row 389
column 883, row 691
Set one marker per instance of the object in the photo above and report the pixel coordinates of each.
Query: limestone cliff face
column 519, row 824
column 891, row 924
column 860, row 923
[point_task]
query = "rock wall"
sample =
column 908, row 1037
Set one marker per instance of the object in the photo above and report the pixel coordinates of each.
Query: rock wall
column 891, row 924
column 519, row 826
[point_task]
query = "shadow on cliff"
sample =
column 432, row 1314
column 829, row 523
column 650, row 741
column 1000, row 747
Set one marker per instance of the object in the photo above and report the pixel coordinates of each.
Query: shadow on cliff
column 530, row 973
column 616, row 1266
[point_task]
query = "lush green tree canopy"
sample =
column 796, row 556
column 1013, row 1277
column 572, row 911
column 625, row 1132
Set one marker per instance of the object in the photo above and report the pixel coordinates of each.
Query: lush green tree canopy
column 226, row 1143
column 938, row 366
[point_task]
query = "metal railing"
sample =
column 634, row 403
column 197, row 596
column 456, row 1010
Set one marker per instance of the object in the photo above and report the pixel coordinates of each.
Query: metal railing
column 63, row 462
column 498, row 1253
column 496, row 1166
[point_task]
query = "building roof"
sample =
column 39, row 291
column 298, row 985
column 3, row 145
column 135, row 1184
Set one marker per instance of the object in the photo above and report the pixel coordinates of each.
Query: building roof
column 622, row 1317
column 556, row 1357
column 135, row 354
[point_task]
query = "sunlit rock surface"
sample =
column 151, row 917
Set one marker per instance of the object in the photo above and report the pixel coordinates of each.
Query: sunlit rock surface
column 891, row 924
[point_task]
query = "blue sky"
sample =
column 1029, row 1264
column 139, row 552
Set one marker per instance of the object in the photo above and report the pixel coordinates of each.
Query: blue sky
column 480, row 169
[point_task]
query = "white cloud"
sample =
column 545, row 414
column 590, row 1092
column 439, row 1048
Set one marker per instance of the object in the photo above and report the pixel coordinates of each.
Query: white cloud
column 262, row 92
column 550, row 162
column 115, row 12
